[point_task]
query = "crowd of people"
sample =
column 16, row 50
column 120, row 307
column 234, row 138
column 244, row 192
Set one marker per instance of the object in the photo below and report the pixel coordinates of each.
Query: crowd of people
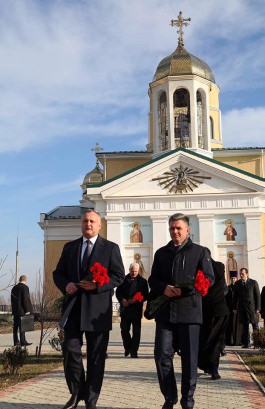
column 196, row 317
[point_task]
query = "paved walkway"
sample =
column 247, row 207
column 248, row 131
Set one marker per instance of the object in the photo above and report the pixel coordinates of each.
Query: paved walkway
column 132, row 383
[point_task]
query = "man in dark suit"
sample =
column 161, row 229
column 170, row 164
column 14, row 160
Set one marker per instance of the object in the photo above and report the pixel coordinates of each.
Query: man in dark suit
column 215, row 316
column 247, row 304
column 88, row 309
column 232, row 336
column 173, row 273
column 21, row 305
column 131, row 311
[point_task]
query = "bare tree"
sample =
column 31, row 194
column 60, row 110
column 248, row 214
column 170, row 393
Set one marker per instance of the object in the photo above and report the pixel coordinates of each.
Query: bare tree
column 45, row 313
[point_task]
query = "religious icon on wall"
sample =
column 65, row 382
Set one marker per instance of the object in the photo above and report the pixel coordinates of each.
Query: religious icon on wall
column 230, row 232
column 137, row 258
column 231, row 263
column 136, row 236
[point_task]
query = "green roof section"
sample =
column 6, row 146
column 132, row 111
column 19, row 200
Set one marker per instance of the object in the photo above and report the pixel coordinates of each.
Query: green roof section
column 195, row 154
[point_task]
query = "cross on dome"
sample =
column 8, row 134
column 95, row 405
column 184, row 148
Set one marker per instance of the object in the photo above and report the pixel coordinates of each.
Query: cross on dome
column 180, row 22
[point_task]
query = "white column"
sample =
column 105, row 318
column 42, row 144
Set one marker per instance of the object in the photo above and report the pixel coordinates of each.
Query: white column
column 114, row 229
column 206, row 232
column 254, row 248
column 160, row 231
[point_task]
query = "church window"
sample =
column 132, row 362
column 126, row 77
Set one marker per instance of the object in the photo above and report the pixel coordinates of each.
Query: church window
column 211, row 128
column 181, row 101
column 163, row 122
column 200, row 120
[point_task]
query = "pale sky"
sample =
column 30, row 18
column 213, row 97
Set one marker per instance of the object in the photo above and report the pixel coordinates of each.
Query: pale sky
column 76, row 72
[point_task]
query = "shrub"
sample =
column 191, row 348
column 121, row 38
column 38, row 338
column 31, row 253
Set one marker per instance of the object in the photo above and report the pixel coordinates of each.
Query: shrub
column 13, row 359
column 56, row 342
column 258, row 337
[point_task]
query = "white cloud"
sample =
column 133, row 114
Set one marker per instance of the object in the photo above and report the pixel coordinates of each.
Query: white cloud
column 58, row 188
column 245, row 127
column 80, row 68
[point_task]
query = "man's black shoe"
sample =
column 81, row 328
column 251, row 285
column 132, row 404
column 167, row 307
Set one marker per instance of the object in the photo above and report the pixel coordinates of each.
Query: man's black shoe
column 223, row 352
column 73, row 402
column 26, row 344
column 90, row 406
column 134, row 355
column 126, row 352
column 245, row 346
column 169, row 404
column 215, row 375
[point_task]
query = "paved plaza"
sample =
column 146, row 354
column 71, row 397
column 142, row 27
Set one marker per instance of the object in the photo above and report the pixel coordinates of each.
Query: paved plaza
column 132, row 383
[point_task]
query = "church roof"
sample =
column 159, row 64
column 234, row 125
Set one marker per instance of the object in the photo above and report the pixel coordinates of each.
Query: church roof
column 65, row 212
column 195, row 154
column 181, row 62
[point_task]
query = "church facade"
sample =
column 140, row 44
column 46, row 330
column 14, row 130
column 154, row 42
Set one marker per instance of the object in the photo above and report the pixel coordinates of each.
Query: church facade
column 185, row 169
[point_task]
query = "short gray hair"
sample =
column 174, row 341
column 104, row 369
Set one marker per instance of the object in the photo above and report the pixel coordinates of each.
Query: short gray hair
column 134, row 264
column 179, row 216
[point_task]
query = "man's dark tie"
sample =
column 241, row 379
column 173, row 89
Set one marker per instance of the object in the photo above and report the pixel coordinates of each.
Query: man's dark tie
column 85, row 257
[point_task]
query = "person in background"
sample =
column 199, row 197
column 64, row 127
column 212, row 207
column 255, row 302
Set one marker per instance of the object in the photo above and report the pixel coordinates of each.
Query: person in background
column 246, row 303
column 215, row 316
column 21, row 305
column 88, row 308
column 174, row 268
column 131, row 311
column 232, row 327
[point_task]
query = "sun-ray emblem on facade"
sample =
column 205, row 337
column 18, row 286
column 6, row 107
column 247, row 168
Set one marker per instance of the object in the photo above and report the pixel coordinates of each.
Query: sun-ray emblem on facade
column 181, row 180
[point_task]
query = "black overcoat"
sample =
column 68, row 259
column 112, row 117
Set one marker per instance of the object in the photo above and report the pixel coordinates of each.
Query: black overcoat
column 20, row 300
column 214, row 303
column 247, row 300
column 127, row 290
column 96, row 305
column 179, row 267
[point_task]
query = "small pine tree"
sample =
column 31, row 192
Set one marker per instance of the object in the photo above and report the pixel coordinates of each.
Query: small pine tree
column 13, row 359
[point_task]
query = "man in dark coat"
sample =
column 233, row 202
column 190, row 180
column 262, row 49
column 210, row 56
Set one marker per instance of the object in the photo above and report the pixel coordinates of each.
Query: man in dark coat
column 215, row 316
column 232, row 336
column 131, row 311
column 88, row 309
column 247, row 304
column 173, row 273
column 21, row 305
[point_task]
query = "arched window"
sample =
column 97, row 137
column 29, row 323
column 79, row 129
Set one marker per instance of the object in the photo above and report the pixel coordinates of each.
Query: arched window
column 211, row 128
column 181, row 101
column 200, row 120
column 163, row 123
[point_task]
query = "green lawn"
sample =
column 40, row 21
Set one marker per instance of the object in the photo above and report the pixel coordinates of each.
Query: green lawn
column 256, row 362
column 34, row 366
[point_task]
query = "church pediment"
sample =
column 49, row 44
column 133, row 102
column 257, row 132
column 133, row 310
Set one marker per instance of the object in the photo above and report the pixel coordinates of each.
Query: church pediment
column 181, row 173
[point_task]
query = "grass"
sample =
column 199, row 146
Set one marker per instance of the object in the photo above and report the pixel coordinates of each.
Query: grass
column 34, row 366
column 256, row 362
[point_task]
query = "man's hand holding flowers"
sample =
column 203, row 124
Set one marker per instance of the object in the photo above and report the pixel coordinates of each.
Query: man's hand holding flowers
column 172, row 291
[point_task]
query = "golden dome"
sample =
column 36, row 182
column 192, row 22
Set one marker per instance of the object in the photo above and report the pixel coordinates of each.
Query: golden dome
column 181, row 62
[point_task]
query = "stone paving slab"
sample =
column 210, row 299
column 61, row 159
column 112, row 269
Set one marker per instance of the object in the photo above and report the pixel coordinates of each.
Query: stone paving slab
column 132, row 383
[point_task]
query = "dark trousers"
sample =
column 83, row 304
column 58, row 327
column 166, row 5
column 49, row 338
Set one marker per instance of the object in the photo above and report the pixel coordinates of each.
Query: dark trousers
column 245, row 330
column 89, row 386
column 211, row 341
column 169, row 338
column 16, row 328
column 131, row 342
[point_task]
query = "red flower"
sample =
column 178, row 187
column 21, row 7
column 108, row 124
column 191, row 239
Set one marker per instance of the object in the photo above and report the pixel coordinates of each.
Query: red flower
column 99, row 274
column 138, row 296
column 202, row 283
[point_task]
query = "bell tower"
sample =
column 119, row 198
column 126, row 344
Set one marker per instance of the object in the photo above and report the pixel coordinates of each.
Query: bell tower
column 184, row 102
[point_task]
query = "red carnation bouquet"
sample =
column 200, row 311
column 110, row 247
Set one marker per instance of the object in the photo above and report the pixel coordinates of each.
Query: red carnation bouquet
column 201, row 285
column 138, row 297
column 98, row 274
